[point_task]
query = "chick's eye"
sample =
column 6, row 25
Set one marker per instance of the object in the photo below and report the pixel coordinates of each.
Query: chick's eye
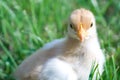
column 91, row 24
column 71, row 26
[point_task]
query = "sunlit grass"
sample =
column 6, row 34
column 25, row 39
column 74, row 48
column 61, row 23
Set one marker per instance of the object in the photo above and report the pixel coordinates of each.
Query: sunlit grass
column 26, row 25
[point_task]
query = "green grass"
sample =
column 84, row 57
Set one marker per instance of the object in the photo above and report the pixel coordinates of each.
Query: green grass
column 26, row 25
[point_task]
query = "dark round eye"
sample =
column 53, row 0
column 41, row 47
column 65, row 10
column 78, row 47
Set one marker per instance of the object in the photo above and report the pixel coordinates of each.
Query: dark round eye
column 71, row 26
column 91, row 24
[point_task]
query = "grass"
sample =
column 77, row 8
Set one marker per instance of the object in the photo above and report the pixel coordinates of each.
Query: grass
column 26, row 25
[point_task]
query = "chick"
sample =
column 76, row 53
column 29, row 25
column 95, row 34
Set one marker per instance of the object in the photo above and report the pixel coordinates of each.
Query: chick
column 69, row 58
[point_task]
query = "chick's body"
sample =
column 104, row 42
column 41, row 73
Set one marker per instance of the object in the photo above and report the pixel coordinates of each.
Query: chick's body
column 70, row 58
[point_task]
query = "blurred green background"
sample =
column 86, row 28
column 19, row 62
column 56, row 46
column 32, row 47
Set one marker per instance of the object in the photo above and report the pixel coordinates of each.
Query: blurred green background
column 26, row 25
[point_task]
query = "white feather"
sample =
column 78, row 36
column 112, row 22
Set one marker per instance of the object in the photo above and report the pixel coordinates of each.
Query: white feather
column 56, row 69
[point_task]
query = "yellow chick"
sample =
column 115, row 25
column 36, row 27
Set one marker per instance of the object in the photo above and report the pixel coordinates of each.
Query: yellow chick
column 69, row 58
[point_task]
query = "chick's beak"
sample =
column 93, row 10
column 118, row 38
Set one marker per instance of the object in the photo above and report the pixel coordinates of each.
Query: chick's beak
column 81, row 33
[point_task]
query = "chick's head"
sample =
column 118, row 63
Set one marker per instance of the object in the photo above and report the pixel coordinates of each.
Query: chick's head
column 81, row 24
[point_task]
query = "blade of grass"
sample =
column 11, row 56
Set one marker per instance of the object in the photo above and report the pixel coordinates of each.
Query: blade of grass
column 114, row 69
column 98, row 10
column 8, row 54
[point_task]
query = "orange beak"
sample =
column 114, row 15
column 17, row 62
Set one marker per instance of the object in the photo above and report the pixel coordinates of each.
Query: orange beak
column 81, row 32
